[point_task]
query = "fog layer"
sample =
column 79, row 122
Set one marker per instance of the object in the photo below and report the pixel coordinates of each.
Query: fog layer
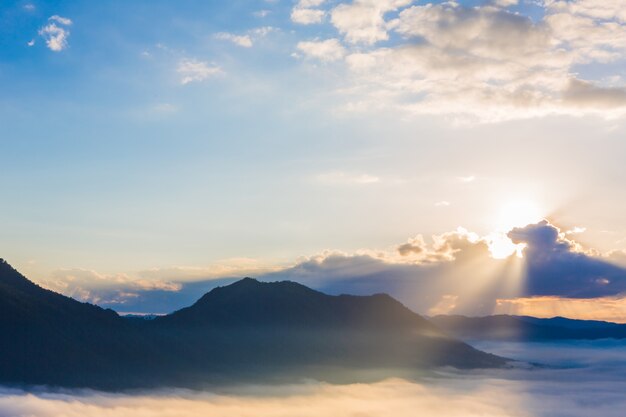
column 580, row 380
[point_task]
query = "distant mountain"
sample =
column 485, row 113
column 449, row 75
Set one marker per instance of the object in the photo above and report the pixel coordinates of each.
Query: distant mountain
column 246, row 331
column 524, row 328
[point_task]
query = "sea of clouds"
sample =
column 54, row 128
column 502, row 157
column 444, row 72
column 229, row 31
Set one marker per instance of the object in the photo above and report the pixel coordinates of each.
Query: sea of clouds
column 579, row 379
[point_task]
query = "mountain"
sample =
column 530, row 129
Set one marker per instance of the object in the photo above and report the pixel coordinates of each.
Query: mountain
column 247, row 331
column 285, row 327
column 48, row 338
column 249, row 302
column 524, row 328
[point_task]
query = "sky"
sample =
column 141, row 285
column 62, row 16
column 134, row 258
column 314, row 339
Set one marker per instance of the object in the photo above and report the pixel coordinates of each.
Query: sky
column 151, row 149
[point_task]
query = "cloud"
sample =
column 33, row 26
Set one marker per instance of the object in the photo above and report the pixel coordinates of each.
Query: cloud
column 193, row 70
column 327, row 50
column 585, row 94
column 62, row 20
column 56, row 35
column 558, row 266
column 456, row 272
column 414, row 246
column 241, row 40
column 154, row 290
column 585, row 379
column 362, row 21
column 306, row 13
column 460, row 266
column 484, row 62
column 104, row 289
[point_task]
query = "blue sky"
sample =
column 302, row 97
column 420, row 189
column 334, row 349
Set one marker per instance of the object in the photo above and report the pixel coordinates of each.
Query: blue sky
column 237, row 137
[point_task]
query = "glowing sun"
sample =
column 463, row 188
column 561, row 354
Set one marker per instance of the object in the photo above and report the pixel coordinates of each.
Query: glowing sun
column 515, row 213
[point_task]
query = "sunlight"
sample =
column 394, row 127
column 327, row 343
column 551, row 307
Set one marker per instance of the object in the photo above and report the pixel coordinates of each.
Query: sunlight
column 500, row 246
column 517, row 213
column 514, row 213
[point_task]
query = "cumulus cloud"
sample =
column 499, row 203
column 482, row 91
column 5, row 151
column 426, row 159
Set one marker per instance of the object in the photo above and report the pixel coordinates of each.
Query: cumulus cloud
column 484, row 62
column 558, row 266
column 414, row 246
column 55, row 33
column 457, row 270
column 193, row 70
column 306, row 12
column 362, row 21
column 454, row 272
column 241, row 40
column 327, row 50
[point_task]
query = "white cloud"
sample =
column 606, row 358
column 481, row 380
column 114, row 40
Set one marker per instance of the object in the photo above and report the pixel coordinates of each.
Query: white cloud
column 307, row 16
column 484, row 63
column 327, row 50
column 362, row 21
column 241, row 40
column 56, row 35
column 263, row 31
column 442, row 203
column 62, row 20
column 306, row 13
column 192, row 70
column 31, row 42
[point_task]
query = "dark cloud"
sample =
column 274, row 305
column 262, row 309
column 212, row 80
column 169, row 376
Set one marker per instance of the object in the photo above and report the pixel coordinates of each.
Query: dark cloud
column 557, row 266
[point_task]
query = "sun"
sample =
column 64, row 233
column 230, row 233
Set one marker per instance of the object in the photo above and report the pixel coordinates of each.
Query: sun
column 517, row 213
column 514, row 213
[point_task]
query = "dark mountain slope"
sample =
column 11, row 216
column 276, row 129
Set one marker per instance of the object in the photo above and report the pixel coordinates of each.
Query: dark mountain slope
column 47, row 338
column 245, row 332
column 285, row 325
column 523, row 328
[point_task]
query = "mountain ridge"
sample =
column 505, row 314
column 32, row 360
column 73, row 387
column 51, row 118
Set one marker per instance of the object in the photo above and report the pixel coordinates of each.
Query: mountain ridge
column 526, row 328
column 246, row 331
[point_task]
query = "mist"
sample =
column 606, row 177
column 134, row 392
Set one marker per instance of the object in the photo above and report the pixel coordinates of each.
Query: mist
column 575, row 379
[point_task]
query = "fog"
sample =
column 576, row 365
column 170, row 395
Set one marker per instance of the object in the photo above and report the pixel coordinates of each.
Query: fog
column 580, row 379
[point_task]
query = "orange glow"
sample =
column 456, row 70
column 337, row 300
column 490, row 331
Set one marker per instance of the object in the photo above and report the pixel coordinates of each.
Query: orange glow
column 606, row 308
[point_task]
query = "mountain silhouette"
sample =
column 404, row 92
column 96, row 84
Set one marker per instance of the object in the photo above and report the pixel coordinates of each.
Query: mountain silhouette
column 248, row 331
column 524, row 328
column 249, row 302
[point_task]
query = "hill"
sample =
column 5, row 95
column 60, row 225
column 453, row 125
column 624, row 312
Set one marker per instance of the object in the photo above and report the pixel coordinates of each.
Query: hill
column 247, row 331
column 523, row 328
